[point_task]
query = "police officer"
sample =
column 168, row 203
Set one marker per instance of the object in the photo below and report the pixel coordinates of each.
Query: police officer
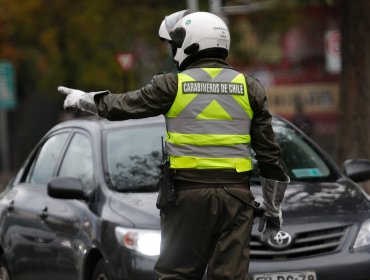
column 214, row 116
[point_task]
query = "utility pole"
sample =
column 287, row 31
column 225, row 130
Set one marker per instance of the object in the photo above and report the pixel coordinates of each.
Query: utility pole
column 215, row 7
column 193, row 5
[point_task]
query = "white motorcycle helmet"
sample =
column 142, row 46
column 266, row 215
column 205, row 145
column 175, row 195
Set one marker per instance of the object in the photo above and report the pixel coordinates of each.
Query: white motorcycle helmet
column 193, row 34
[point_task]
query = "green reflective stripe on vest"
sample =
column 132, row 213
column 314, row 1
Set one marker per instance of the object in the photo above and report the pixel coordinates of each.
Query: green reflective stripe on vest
column 239, row 164
column 180, row 102
column 211, row 151
column 208, row 124
column 207, row 139
column 244, row 102
column 213, row 72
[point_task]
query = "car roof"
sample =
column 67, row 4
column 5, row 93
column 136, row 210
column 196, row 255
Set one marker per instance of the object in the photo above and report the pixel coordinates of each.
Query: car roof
column 98, row 123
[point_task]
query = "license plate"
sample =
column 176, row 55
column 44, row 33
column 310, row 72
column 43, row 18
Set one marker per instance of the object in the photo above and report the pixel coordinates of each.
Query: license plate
column 301, row 275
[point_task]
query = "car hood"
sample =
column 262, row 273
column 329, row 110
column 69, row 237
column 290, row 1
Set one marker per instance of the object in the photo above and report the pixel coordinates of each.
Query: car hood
column 319, row 200
column 302, row 201
column 139, row 208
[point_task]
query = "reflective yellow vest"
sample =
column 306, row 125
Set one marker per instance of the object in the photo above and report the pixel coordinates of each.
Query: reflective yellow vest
column 208, row 125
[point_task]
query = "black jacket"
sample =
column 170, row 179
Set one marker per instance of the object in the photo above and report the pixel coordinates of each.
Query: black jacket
column 156, row 98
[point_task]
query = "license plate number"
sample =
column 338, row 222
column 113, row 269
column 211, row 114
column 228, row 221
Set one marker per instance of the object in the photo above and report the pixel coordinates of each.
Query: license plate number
column 302, row 275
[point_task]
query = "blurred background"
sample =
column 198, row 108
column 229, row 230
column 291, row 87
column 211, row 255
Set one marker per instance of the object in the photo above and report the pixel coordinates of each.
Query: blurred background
column 312, row 56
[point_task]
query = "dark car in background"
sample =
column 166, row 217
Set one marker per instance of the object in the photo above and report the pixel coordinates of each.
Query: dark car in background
column 83, row 207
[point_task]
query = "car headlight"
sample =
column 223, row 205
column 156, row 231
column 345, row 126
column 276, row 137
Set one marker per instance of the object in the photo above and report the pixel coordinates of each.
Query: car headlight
column 363, row 236
column 147, row 242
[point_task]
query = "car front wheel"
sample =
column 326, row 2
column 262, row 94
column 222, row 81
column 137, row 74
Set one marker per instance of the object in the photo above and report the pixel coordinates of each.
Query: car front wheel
column 100, row 271
column 4, row 273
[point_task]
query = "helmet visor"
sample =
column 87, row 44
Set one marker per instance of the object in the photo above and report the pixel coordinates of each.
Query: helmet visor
column 169, row 22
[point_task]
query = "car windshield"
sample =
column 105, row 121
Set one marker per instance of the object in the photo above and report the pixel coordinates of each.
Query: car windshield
column 132, row 157
column 301, row 161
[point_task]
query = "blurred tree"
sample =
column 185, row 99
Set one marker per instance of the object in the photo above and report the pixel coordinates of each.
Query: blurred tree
column 354, row 113
column 74, row 43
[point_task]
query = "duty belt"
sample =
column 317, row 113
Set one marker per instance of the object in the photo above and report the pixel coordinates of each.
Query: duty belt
column 189, row 185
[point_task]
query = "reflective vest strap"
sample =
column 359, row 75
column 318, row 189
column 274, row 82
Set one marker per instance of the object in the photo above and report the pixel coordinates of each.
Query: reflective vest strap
column 213, row 72
column 181, row 100
column 234, row 151
column 238, row 164
column 243, row 100
column 207, row 139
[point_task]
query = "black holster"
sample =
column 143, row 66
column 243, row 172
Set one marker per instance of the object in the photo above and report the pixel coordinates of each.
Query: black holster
column 166, row 189
column 258, row 211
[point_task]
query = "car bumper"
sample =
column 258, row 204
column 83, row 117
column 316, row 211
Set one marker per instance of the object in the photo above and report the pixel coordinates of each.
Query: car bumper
column 354, row 266
column 334, row 266
column 129, row 265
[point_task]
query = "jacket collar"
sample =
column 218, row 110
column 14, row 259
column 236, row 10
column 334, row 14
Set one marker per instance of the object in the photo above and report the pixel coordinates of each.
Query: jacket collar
column 209, row 63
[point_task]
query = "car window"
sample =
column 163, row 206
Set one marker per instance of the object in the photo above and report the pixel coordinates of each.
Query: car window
column 132, row 157
column 78, row 161
column 46, row 160
column 299, row 158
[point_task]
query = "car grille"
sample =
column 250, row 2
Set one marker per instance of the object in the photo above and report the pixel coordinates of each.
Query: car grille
column 304, row 244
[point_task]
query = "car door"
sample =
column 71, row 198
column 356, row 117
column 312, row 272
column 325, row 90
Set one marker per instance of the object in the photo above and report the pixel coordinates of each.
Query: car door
column 24, row 204
column 64, row 218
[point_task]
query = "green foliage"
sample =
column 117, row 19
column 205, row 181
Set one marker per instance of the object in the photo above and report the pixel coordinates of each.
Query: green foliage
column 74, row 43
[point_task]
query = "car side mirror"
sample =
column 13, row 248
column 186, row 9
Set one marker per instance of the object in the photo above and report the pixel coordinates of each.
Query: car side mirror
column 66, row 188
column 357, row 169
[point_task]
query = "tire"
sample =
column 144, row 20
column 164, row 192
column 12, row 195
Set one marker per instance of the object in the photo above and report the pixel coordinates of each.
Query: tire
column 4, row 272
column 100, row 271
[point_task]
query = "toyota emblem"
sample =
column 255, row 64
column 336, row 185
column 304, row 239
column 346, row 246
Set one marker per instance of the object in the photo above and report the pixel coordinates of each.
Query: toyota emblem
column 282, row 240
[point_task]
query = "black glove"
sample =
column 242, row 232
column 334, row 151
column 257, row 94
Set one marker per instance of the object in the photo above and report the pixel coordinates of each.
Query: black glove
column 270, row 226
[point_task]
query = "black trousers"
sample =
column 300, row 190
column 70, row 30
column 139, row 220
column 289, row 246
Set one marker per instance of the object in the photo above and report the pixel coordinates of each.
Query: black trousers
column 208, row 230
